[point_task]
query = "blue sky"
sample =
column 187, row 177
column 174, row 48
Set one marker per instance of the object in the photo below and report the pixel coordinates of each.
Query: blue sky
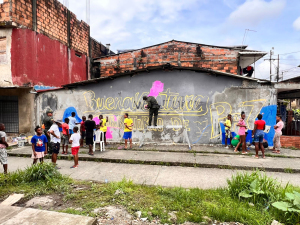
column 129, row 24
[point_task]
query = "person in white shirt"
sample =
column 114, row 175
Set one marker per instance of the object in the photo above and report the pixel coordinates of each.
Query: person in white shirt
column 72, row 122
column 75, row 141
column 54, row 134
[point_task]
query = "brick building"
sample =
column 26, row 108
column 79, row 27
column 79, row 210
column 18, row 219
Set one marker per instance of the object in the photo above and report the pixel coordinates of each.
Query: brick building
column 42, row 46
column 225, row 59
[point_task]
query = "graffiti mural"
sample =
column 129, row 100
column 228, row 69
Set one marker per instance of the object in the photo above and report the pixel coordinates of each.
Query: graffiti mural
column 196, row 102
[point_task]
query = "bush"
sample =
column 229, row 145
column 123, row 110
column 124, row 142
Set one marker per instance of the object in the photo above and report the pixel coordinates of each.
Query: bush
column 283, row 203
column 256, row 187
column 44, row 172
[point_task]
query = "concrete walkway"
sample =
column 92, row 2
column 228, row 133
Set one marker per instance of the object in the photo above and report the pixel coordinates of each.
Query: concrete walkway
column 203, row 160
column 11, row 215
column 167, row 176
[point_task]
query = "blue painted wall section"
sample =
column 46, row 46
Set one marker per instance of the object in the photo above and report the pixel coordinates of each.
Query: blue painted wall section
column 40, row 88
column 68, row 113
column 269, row 115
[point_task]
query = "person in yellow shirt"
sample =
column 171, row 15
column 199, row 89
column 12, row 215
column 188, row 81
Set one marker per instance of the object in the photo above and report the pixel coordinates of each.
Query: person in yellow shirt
column 228, row 134
column 103, row 128
column 128, row 123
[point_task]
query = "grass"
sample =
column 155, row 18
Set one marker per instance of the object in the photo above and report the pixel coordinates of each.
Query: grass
column 288, row 170
column 192, row 205
column 38, row 179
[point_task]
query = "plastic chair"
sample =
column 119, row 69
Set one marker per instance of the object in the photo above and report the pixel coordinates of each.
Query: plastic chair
column 99, row 140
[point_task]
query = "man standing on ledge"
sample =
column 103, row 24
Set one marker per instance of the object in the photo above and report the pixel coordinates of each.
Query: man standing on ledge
column 48, row 121
column 153, row 107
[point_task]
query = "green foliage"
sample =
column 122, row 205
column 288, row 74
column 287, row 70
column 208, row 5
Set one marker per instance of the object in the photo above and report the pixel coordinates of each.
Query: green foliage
column 290, row 206
column 34, row 180
column 282, row 203
column 256, row 187
column 44, row 172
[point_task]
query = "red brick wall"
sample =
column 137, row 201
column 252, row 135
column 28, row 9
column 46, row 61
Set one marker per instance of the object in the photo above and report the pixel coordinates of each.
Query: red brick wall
column 79, row 35
column 51, row 21
column 4, row 11
column 290, row 141
column 21, row 12
column 96, row 48
column 176, row 53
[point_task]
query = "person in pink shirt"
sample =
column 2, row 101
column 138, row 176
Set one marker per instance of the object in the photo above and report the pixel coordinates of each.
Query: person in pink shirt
column 242, row 133
column 276, row 141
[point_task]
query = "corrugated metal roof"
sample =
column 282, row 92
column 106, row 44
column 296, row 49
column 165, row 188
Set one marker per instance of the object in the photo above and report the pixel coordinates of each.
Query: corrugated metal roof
column 252, row 53
column 148, row 69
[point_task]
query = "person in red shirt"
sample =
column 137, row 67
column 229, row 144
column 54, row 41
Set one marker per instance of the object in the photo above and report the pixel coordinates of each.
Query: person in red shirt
column 66, row 136
column 82, row 131
column 258, row 134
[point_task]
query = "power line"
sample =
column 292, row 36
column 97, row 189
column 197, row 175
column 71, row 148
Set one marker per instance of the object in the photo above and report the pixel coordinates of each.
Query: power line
column 289, row 53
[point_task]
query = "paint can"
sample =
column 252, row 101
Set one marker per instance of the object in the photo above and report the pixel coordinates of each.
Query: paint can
column 20, row 142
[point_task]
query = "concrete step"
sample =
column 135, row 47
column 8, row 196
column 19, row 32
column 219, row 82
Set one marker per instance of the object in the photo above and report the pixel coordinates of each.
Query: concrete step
column 12, row 199
column 207, row 160
column 11, row 215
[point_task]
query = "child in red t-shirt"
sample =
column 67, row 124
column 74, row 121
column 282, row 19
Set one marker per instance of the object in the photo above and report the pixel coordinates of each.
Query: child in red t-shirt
column 66, row 136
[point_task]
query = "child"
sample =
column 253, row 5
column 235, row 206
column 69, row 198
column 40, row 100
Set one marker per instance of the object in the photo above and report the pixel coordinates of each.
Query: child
column 66, row 136
column 128, row 123
column 39, row 145
column 82, row 131
column 103, row 128
column 75, row 141
column 228, row 134
column 242, row 134
column 54, row 134
column 3, row 146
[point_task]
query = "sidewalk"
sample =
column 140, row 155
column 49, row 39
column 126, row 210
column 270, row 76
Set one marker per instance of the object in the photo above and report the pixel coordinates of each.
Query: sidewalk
column 153, row 175
column 193, row 159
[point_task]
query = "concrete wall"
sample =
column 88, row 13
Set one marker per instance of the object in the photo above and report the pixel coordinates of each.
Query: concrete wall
column 197, row 101
column 38, row 60
column 26, row 108
column 5, row 57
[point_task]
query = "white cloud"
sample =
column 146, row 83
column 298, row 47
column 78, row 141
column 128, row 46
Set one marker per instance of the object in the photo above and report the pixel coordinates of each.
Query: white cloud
column 296, row 24
column 121, row 21
column 231, row 3
column 252, row 12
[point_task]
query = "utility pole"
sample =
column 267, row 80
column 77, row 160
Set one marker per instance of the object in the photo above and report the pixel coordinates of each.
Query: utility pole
column 88, row 5
column 270, row 65
column 278, row 69
column 271, row 53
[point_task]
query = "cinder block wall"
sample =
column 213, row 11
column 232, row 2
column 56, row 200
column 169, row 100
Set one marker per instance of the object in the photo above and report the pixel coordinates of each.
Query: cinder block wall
column 182, row 54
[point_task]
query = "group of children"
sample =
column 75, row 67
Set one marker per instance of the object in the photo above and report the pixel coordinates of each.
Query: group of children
column 75, row 138
column 257, row 134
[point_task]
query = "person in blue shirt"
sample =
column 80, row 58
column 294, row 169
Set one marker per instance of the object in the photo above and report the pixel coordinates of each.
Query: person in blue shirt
column 39, row 145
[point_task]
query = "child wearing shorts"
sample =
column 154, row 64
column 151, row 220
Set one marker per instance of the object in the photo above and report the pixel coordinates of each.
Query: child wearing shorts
column 3, row 146
column 75, row 141
column 39, row 145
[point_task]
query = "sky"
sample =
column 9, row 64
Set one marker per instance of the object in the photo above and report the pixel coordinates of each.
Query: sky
column 132, row 24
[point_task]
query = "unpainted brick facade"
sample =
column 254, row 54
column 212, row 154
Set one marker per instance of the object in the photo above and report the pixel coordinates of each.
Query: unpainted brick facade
column 181, row 54
column 4, row 11
column 52, row 21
